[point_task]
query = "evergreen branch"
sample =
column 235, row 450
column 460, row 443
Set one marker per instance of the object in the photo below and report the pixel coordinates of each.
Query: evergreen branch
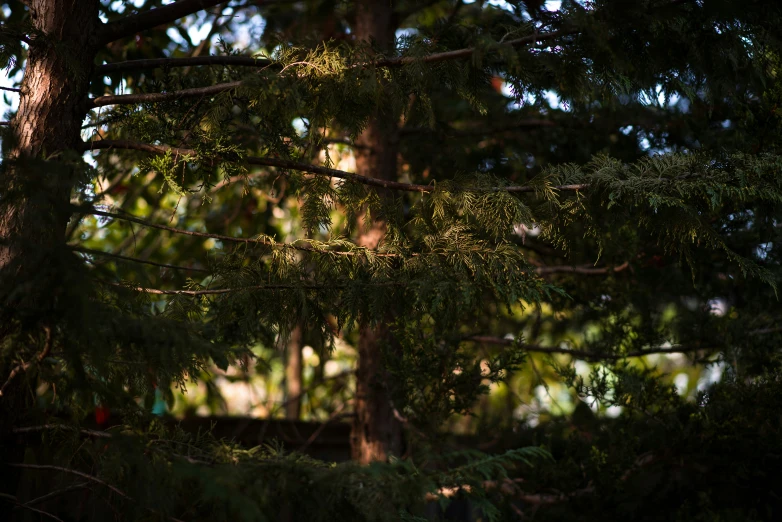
column 581, row 353
column 10, row 89
column 220, row 291
column 153, row 63
column 314, row 169
column 142, row 21
column 24, row 366
column 134, row 260
column 229, row 239
column 156, row 97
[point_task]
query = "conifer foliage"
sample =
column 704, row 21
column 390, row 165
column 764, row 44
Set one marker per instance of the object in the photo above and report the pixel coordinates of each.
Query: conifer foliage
column 470, row 189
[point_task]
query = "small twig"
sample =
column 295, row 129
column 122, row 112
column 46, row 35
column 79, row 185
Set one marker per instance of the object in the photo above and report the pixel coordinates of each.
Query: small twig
column 13, row 500
column 10, row 89
column 24, row 366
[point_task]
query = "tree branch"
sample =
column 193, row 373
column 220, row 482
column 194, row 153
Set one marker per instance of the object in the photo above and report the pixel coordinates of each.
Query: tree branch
column 467, row 52
column 13, row 500
column 585, row 270
column 134, row 260
column 581, row 353
column 91, row 478
column 45, row 427
column 156, row 97
column 10, row 89
column 220, row 291
column 49, row 467
column 232, row 239
column 312, row 169
column 162, row 15
column 153, row 63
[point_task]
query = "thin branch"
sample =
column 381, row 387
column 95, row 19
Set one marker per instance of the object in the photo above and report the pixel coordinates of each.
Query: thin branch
column 585, row 270
column 44, row 427
column 581, row 353
column 12, row 499
column 10, row 89
column 162, row 15
column 44, row 498
column 91, row 478
column 23, row 366
column 312, row 169
column 155, row 97
column 153, row 63
column 219, row 291
column 468, row 52
column 135, row 260
column 531, row 123
column 5, row 123
column 231, row 239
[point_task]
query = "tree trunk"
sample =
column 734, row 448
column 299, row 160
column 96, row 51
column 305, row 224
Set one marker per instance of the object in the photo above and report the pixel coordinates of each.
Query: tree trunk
column 293, row 369
column 37, row 177
column 34, row 207
column 377, row 434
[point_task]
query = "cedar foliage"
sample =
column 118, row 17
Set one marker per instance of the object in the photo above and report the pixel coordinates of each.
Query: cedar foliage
column 658, row 171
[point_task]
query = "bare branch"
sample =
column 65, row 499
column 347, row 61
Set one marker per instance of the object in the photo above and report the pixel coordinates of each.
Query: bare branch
column 312, row 169
column 135, row 260
column 153, row 63
column 45, row 427
column 162, row 15
column 585, row 270
column 155, row 97
column 91, row 478
column 12, row 499
column 10, row 89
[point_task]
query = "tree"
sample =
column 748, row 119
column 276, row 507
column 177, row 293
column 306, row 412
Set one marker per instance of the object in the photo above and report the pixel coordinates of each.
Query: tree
column 482, row 228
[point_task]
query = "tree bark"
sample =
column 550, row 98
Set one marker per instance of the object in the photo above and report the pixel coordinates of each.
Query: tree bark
column 377, row 434
column 293, row 375
column 34, row 204
column 37, row 175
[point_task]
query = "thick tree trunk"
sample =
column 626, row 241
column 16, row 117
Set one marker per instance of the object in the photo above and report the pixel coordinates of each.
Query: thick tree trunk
column 34, row 198
column 377, row 434
column 36, row 179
